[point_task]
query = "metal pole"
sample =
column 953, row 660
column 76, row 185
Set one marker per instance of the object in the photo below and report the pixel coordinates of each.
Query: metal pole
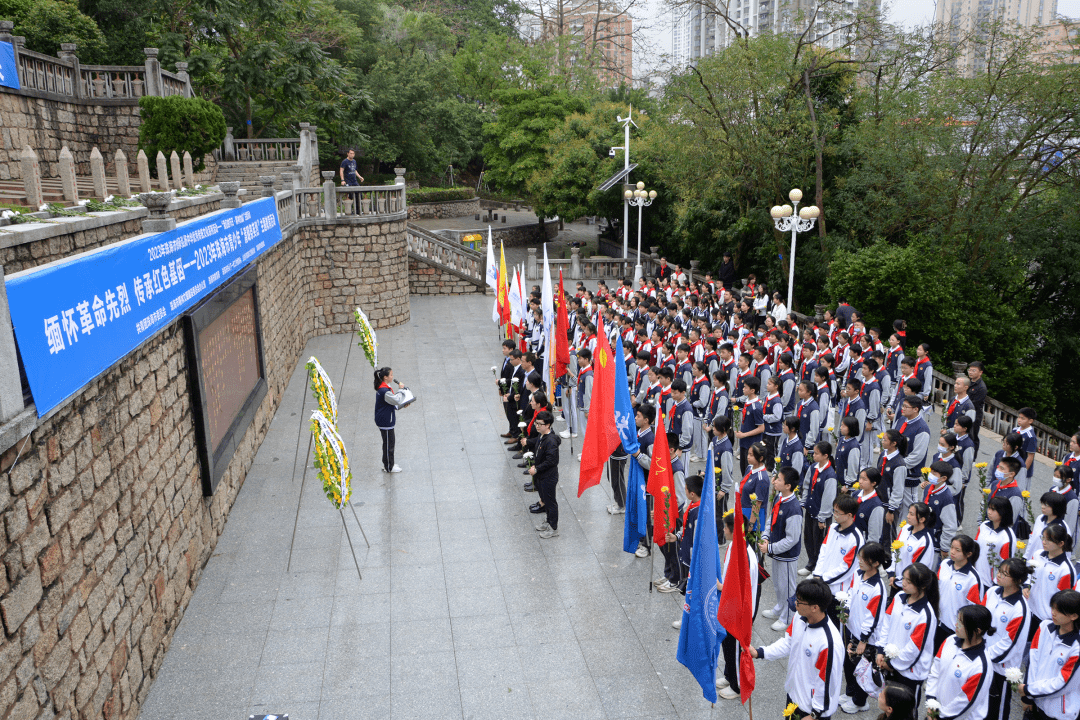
column 791, row 261
column 625, row 202
column 637, row 268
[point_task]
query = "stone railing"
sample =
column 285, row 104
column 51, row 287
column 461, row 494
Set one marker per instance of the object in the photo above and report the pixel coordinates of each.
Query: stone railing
column 368, row 200
column 579, row 268
column 65, row 78
column 268, row 150
column 452, row 257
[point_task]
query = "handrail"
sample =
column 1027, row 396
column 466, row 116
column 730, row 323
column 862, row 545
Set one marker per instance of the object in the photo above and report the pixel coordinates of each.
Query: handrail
column 112, row 81
column 44, row 73
column 368, row 200
column 453, row 257
column 268, row 149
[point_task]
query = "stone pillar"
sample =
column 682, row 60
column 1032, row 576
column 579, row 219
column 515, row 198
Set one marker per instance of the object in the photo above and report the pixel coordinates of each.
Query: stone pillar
column 31, row 175
column 329, row 194
column 123, row 185
column 181, row 72
column 189, row 167
column 287, row 179
column 304, row 155
column 400, row 179
column 230, row 151
column 162, row 172
column 11, row 398
column 230, row 189
column 268, row 185
column 530, row 265
column 144, row 172
column 67, row 175
column 299, row 181
column 575, row 263
column 67, row 55
column 97, row 173
column 159, row 219
column 154, row 87
column 693, row 268
column 176, row 177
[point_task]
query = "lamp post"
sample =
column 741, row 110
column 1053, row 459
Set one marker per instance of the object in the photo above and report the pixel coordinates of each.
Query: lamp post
column 626, row 123
column 789, row 217
column 640, row 197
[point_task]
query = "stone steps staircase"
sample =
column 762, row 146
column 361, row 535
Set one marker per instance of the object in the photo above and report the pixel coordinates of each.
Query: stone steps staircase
column 447, row 255
column 247, row 173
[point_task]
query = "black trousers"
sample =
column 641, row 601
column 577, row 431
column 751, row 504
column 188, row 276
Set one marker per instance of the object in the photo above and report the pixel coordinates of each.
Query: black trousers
column 387, row 449
column 510, row 409
column 813, row 536
column 915, row 686
column 730, row 647
column 546, row 490
column 1000, row 698
column 617, row 472
column 771, row 441
column 854, row 691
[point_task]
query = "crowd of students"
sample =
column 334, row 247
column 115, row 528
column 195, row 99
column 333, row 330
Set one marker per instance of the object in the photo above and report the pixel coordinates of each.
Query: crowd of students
column 835, row 455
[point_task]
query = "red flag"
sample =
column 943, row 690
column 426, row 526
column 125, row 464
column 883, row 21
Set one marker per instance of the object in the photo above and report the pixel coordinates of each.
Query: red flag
column 562, row 329
column 660, row 476
column 735, row 611
column 601, row 435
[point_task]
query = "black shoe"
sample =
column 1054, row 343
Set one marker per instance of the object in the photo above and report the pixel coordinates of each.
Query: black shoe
column 525, row 473
column 517, row 456
column 529, row 487
column 537, row 508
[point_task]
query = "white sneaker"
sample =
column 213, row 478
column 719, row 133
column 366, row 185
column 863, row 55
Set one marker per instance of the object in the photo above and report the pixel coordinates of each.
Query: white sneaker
column 614, row 509
column 803, row 572
column 579, row 457
column 396, row 468
column 659, row 581
column 677, row 624
column 851, row 708
column 695, row 458
column 548, row 533
column 728, row 694
column 770, row 613
column 844, row 698
column 721, row 683
column 779, row 625
column 641, row 552
column 668, row 588
column 565, row 434
column 542, row 526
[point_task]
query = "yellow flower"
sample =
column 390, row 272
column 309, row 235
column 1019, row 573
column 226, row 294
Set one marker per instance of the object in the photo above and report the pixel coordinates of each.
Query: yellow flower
column 1025, row 494
column 925, row 471
column 790, row 709
column 830, row 429
column 980, row 465
column 1020, row 544
column 729, row 512
column 986, row 491
column 1058, row 463
column 718, row 470
column 897, row 544
column 881, row 436
column 664, row 489
column 753, row 497
column 777, row 458
column 903, row 524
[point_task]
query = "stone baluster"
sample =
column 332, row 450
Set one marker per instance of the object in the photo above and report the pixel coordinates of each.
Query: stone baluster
column 162, row 172
column 97, row 173
column 176, row 176
column 144, row 172
column 189, row 168
column 230, row 189
column 159, row 219
column 575, row 263
column 123, row 184
column 530, row 264
column 329, row 194
column 31, row 175
column 182, row 73
column 268, row 185
column 299, row 181
column 67, row 175
column 693, row 269
column 67, row 55
column 230, row 151
column 154, row 85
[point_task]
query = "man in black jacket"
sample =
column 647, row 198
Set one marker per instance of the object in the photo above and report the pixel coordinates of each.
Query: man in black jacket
column 545, row 472
column 727, row 272
column 977, row 395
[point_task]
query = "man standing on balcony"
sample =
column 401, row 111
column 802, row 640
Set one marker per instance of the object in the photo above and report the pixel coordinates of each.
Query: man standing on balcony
column 349, row 176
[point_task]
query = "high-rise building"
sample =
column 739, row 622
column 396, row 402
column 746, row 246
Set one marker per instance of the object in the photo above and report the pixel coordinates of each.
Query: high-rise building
column 971, row 18
column 601, row 34
column 1059, row 43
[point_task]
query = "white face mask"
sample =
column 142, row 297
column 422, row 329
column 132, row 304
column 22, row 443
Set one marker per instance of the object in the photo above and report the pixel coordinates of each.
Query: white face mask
column 943, row 449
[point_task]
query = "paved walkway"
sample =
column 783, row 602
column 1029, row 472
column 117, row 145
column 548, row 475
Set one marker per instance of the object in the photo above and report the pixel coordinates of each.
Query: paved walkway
column 462, row 611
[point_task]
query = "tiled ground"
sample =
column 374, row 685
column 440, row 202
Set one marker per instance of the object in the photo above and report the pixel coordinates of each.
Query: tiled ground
column 462, row 611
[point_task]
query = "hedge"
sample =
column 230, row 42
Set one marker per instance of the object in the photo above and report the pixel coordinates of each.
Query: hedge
column 427, row 195
column 179, row 123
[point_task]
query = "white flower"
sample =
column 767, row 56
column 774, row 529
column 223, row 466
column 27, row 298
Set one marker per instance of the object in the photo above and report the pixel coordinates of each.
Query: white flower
column 108, row 198
column 522, row 424
column 198, row 187
column 181, row 188
column 1014, row 675
column 932, row 705
column 44, row 207
column 7, row 214
column 528, row 455
column 891, row 651
column 842, row 597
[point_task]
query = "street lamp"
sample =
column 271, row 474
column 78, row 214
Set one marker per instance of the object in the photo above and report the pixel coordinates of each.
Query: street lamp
column 789, row 217
column 626, row 123
column 639, row 197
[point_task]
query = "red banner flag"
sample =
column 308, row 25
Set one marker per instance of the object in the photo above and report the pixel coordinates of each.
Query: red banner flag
column 562, row 329
column 661, row 477
column 735, row 611
column 601, row 435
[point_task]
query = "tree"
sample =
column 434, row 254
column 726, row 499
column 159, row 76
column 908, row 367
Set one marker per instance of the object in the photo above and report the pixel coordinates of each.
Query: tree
column 46, row 24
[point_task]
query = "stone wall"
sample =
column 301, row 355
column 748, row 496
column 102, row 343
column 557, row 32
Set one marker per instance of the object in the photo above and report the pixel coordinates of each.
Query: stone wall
column 25, row 246
column 427, row 279
column 48, row 125
column 105, row 529
column 441, row 210
column 512, row 235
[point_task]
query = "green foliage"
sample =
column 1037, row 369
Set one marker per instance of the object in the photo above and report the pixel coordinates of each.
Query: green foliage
column 179, row 123
column 48, row 23
column 430, row 195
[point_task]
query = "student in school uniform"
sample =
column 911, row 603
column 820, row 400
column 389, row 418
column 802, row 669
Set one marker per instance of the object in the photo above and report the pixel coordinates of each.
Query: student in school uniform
column 1062, row 486
column 700, row 395
column 783, row 544
column 852, row 406
column 1025, row 427
column 672, row 579
column 959, row 585
column 893, row 357
column 1052, row 505
column 912, row 426
column 791, row 452
column 808, row 414
column 1072, row 460
column 1004, row 485
column 786, row 376
column 753, row 492
column 941, row 501
column 871, row 395
column 917, row 543
column 819, row 492
column 753, row 420
column 1012, row 619
column 682, row 422
column 848, row 454
column 719, row 399
column 723, row 460
column 866, row 614
column 870, row 516
column 773, row 416
column 838, row 559
column 683, row 537
column 814, row 651
column 924, row 371
column 965, row 452
column 893, row 471
column 1053, row 571
column 996, row 539
column 644, row 418
column 910, row 626
column 959, row 677
column 580, row 412
column 1051, row 689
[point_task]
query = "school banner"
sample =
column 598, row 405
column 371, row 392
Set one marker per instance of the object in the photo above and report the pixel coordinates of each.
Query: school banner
column 76, row 318
column 9, row 75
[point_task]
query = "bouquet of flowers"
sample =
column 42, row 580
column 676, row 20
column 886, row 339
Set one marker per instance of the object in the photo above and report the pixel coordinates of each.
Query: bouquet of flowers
column 494, row 371
column 1015, row 677
column 368, row 341
column 1026, row 494
column 790, row 710
column 331, row 461
column 528, row 456
column 323, row 390
column 843, row 611
column 933, row 708
column 891, row 652
column 521, row 427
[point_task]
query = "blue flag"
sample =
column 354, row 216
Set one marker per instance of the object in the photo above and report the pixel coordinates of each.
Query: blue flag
column 700, row 635
column 635, row 524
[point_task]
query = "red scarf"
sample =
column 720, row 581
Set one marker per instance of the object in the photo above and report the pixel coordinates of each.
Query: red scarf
column 813, row 479
column 952, row 406
column 931, row 491
column 686, row 512
column 776, row 510
column 1003, row 487
column 384, row 385
column 903, row 427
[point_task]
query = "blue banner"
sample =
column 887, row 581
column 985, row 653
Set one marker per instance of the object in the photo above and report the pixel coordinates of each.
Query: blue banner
column 635, row 525
column 76, row 318
column 9, row 74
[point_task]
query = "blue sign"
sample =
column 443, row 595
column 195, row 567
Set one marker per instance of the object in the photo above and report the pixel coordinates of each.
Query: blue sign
column 76, row 318
column 9, row 75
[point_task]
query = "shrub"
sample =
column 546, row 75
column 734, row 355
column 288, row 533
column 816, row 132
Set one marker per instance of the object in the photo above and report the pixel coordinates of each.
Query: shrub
column 180, row 123
column 429, row 194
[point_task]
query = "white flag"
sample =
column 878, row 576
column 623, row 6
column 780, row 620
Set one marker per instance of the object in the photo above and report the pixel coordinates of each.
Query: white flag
column 515, row 299
column 492, row 275
column 547, row 305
